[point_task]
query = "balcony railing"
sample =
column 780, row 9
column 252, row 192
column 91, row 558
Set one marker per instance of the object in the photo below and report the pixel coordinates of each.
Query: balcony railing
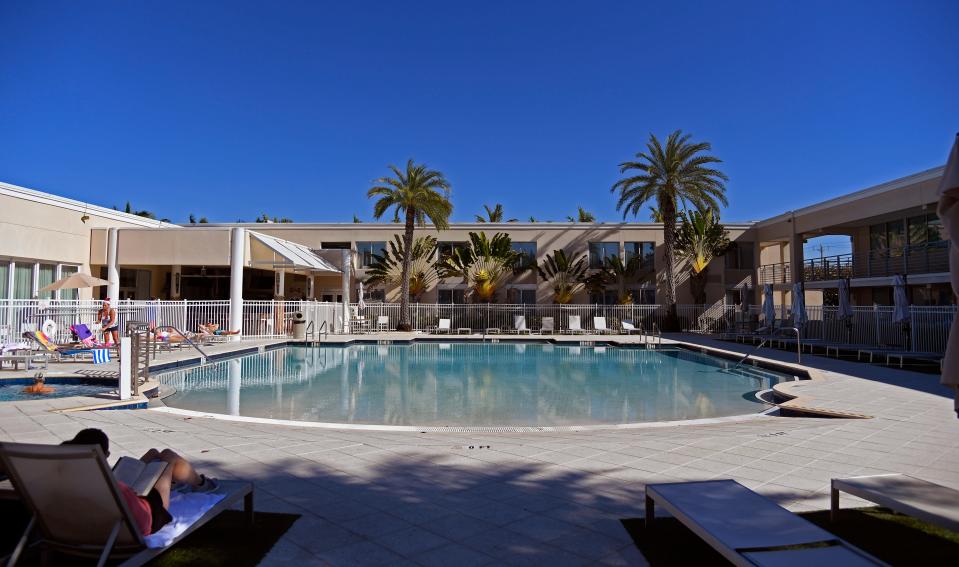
column 775, row 273
column 920, row 259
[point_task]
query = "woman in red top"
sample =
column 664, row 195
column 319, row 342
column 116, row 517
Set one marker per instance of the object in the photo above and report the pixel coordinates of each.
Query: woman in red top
column 151, row 512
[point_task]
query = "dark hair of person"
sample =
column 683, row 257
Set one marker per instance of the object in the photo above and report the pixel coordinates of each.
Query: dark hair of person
column 90, row 437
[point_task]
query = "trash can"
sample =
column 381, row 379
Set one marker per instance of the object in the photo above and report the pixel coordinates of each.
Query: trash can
column 299, row 326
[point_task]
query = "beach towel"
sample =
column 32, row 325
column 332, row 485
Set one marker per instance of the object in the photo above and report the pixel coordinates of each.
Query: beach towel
column 9, row 347
column 186, row 509
column 101, row 355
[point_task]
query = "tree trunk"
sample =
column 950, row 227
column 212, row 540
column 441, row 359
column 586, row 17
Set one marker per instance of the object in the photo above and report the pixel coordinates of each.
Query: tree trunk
column 697, row 284
column 671, row 322
column 404, row 324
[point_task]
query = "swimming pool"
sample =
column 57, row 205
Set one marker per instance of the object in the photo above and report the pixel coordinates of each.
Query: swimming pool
column 471, row 384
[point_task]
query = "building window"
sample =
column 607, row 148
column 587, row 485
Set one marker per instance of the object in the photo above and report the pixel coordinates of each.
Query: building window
column 46, row 276
column 646, row 251
column 366, row 250
column 600, row 251
column 527, row 255
column 606, row 297
column 23, row 281
column 375, row 295
column 70, row 294
column 452, row 296
column 739, row 256
column 445, row 249
column 887, row 236
column 644, row 296
column 517, row 295
column 925, row 229
column 4, row 280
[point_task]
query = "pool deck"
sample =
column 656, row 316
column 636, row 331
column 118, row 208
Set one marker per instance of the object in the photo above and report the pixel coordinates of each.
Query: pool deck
column 549, row 497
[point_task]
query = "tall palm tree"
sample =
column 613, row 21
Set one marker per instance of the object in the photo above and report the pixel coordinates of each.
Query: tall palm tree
column 494, row 214
column 700, row 239
column 673, row 176
column 484, row 264
column 418, row 193
column 566, row 275
column 582, row 215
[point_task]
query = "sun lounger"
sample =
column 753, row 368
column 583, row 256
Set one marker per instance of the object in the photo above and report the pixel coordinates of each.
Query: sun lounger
column 629, row 328
column 44, row 344
column 599, row 325
column 29, row 359
column 78, row 509
column 546, row 326
column 901, row 493
column 749, row 529
column 519, row 325
column 443, row 327
column 902, row 355
column 382, row 323
column 574, row 326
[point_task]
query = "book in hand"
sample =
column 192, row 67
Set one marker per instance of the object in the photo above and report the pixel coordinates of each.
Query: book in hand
column 138, row 475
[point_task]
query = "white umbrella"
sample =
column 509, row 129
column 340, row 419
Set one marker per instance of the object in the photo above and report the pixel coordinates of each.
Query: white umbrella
column 948, row 212
column 845, row 308
column 769, row 310
column 799, row 305
column 900, row 311
column 361, row 304
column 75, row 281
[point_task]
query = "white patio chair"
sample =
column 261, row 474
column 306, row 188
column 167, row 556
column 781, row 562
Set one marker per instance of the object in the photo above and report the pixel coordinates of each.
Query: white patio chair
column 629, row 328
column 574, row 326
column 519, row 325
column 599, row 325
column 443, row 327
column 547, row 326
column 383, row 323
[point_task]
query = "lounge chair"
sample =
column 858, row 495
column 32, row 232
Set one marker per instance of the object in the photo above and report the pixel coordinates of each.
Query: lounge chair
column 904, row 494
column 574, row 325
column 44, row 344
column 382, row 323
column 749, row 529
column 519, row 325
column 629, row 328
column 443, row 327
column 78, row 509
column 546, row 326
column 599, row 326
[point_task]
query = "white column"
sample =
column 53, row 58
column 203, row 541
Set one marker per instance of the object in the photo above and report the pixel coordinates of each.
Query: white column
column 233, row 392
column 56, row 278
column 237, row 258
column 36, row 279
column 280, row 291
column 10, row 279
column 346, row 290
column 113, row 270
column 310, row 287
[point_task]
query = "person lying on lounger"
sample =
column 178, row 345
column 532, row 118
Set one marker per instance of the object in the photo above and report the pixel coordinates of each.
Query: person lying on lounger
column 152, row 511
column 214, row 329
column 38, row 386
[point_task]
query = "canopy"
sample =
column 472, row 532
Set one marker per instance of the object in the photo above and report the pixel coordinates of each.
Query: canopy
column 800, row 317
column 75, row 281
column 286, row 254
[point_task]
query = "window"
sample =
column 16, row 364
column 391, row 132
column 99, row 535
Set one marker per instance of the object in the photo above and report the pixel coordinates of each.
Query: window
column 739, row 256
column 527, row 251
column 644, row 296
column 887, row 236
column 366, row 250
column 600, row 251
column 377, row 295
column 606, row 297
column 445, row 249
column 526, row 296
column 452, row 296
column 925, row 229
column 23, row 281
column 68, row 293
column 645, row 250
column 47, row 275
column 4, row 279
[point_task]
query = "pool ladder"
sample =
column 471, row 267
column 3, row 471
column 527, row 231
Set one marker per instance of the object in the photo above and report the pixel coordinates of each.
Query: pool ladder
column 315, row 335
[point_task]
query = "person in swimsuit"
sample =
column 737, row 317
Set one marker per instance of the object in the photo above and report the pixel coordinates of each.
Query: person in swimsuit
column 38, row 386
column 151, row 512
column 108, row 322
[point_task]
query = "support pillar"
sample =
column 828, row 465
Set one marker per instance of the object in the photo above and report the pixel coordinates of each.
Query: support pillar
column 347, row 259
column 237, row 258
column 310, row 287
column 176, row 273
column 113, row 270
column 280, row 285
column 235, row 377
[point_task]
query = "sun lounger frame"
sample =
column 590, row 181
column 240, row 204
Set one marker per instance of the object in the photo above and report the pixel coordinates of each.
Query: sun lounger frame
column 856, row 486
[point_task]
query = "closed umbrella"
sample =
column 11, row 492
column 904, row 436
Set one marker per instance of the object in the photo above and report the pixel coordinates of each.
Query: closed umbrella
column 75, row 281
column 769, row 310
column 948, row 212
column 799, row 306
column 844, row 313
column 900, row 309
column 361, row 304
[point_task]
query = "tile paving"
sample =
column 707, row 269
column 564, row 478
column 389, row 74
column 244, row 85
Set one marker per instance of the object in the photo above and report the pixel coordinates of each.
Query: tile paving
column 550, row 497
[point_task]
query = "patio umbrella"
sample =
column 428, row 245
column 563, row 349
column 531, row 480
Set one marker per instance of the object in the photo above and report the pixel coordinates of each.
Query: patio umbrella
column 799, row 305
column 948, row 212
column 769, row 310
column 900, row 309
column 844, row 313
column 75, row 281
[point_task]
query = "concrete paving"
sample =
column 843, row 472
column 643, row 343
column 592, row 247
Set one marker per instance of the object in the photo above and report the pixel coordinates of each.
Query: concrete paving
column 557, row 497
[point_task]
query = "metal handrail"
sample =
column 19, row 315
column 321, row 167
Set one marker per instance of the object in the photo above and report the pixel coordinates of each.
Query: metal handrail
column 185, row 338
column 750, row 353
column 798, row 341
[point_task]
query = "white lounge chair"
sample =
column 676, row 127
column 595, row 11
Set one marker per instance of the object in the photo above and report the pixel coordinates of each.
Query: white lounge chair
column 749, row 529
column 629, row 328
column 574, row 325
column 519, row 325
column 443, row 327
column 78, row 509
column 547, row 326
column 599, row 325
column 383, row 323
column 902, row 493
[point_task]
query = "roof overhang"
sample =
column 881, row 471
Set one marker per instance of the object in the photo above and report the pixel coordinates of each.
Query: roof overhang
column 279, row 254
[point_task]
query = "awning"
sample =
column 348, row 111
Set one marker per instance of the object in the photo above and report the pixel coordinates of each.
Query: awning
column 286, row 254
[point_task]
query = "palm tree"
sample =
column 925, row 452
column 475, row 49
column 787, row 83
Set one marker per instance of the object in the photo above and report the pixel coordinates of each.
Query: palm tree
column 418, row 193
column 700, row 239
column 582, row 216
column 566, row 275
column 674, row 176
column 618, row 273
column 493, row 215
column 484, row 264
column 387, row 268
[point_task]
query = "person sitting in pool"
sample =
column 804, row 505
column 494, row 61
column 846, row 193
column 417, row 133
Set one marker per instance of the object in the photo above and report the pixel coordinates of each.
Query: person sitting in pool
column 38, row 386
column 214, row 329
column 151, row 512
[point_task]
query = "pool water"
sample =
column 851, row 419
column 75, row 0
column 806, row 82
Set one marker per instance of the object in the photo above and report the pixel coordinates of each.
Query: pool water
column 14, row 392
column 470, row 384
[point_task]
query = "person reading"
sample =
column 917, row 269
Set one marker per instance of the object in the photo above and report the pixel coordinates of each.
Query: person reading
column 148, row 495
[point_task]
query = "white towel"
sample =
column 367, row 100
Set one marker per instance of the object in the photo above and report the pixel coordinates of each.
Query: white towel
column 185, row 509
column 19, row 345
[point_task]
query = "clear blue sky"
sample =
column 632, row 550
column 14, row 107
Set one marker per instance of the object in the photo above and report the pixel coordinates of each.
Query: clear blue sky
column 292, row 108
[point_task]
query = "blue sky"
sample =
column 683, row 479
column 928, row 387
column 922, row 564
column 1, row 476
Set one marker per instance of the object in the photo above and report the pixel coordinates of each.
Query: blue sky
column 292, row 108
